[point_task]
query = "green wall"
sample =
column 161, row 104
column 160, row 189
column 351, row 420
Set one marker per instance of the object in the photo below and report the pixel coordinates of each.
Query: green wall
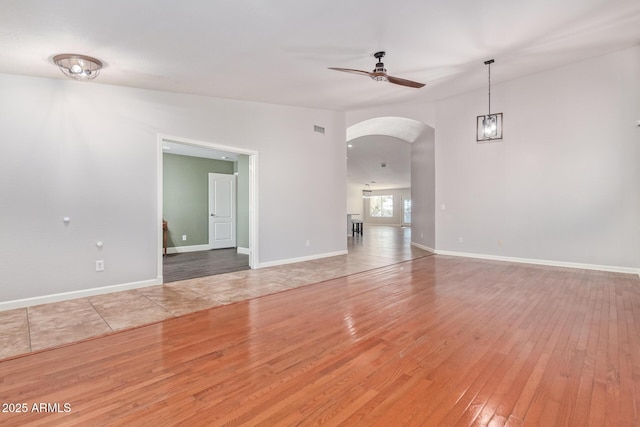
column 185, row 197
column 242, row 228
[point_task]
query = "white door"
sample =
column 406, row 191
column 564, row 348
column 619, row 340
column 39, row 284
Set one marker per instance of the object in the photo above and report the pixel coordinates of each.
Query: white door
column 222, row 211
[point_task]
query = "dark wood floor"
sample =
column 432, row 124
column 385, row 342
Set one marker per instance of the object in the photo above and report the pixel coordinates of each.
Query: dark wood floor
column 190, row 265
column 437, row 341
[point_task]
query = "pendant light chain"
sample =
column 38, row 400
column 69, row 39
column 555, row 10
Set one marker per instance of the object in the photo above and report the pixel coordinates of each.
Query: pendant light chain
column 489, row 62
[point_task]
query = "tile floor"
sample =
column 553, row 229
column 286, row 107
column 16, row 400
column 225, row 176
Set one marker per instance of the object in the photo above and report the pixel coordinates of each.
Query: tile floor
column 49, row 325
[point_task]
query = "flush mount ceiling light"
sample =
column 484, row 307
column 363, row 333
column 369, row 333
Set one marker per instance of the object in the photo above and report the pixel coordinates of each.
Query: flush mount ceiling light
column 489, row 126
column 78, row 67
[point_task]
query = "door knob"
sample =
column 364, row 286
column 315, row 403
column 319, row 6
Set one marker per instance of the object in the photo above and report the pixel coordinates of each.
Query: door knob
column 213, row 214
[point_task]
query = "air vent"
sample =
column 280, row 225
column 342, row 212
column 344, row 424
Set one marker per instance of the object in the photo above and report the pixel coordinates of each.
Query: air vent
column 318, row 129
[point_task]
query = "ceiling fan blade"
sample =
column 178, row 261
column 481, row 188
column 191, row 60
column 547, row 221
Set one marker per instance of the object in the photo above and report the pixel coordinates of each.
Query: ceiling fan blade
column 404, row 82
column 350, row 70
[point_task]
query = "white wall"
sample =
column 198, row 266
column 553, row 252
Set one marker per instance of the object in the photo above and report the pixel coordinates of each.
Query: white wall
column 423, row 176
column 564, row 184
column 89, row 151
column 354, row 198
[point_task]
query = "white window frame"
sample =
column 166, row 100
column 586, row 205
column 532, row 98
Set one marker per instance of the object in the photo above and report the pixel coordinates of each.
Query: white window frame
column 385, row 211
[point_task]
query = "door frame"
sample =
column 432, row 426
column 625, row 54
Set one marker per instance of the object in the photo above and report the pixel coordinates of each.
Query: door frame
column 253, row 193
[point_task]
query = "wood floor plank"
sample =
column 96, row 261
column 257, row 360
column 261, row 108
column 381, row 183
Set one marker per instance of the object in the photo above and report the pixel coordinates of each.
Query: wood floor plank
column 438, row 341
column 189, row 265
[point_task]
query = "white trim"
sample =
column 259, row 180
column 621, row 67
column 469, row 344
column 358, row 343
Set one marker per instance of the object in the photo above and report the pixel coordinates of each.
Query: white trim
column 614, row 269
column 159, row 207
column 301, row 259
column 46, row 299
column 185, row 249
column 426, row 248
column 254, row 258
column 243, row 251
column 253, row 192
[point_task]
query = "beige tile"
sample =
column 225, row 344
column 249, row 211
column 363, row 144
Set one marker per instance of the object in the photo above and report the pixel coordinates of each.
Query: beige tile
column 179, row 299
column 233, row 291
column 14, row 319
column 14, row 343
column 215, row 287
column 61, row 314
column 14, row 333
column 64, row 322
column 128, row 309
column 68, row 334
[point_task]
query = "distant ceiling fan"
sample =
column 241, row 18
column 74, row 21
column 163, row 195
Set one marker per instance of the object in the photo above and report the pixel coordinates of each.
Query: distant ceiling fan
column 380, row 73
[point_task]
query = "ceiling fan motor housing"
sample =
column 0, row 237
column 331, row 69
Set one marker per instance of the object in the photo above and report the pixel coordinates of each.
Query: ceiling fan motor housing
column 379, row 73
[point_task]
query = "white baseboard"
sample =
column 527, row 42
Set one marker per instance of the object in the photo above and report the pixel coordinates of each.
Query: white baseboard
column 426, row 248
column 184, row 249
column 46, row 299
column 243, row 251
column 300, row 259
column 614, row 269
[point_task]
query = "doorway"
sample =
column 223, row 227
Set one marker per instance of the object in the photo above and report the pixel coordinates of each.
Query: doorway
column 369, row 167
column 203, row 149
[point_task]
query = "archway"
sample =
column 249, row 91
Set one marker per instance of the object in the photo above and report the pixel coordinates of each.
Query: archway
column 420, row 138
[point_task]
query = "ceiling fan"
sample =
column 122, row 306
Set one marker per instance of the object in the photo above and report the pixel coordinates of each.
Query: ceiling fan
column 380, row 73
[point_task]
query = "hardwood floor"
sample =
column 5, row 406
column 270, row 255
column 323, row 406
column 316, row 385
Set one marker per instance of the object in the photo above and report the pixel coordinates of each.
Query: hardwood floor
column 36, row 328
column 435, row 341
column 202, row 263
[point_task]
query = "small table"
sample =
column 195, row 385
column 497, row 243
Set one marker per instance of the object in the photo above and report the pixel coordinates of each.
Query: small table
column 357, row 227
column 350, row 222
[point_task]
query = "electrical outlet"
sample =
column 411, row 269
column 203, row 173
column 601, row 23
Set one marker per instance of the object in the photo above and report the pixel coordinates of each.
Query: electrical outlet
column 500, row 243
column 308, row 243
column 100, row 265
column 184, row 237
column 460, row 239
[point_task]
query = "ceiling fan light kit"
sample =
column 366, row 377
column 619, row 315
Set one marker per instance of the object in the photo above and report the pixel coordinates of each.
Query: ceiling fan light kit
column 489, row 126
column 78, row 67
column 379, row 73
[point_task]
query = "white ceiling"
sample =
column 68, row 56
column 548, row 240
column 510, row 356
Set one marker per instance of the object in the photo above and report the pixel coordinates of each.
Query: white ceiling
column 278, row 51
column 373, row 142
column 367, row 155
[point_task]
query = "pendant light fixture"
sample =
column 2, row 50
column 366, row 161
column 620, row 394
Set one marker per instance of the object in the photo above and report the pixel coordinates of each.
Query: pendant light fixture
column 78, row 67
column 366, row 193
column 489, row 126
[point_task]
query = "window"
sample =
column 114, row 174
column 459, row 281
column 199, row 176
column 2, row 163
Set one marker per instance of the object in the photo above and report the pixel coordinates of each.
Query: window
column 406, row 210
column 381, row 206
